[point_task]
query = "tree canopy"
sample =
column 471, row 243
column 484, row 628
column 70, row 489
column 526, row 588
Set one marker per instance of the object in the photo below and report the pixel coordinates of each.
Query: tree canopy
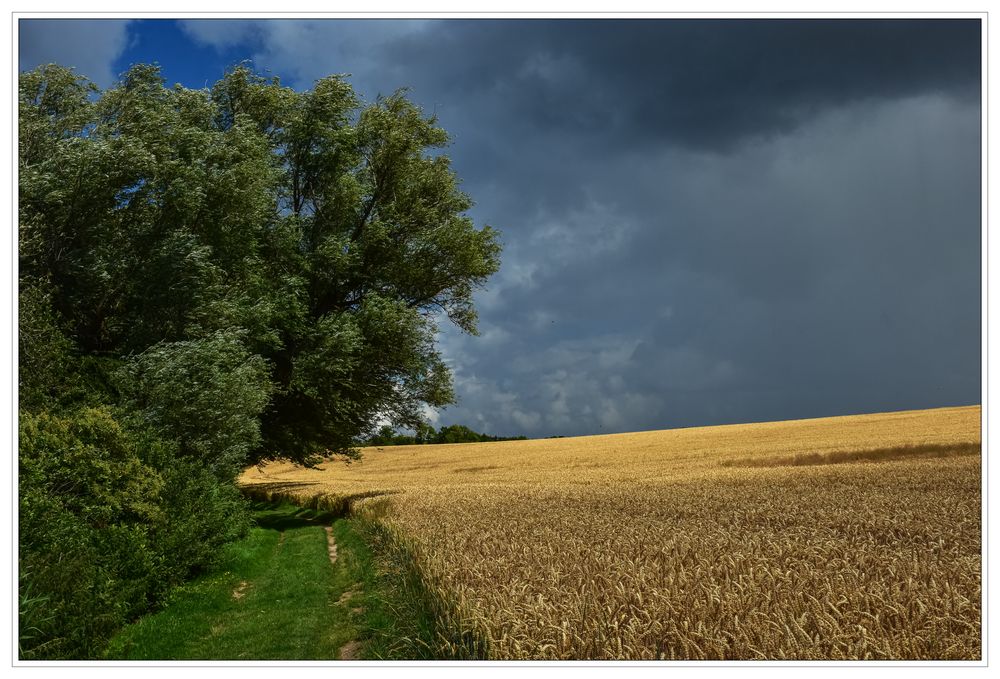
column 292, row 251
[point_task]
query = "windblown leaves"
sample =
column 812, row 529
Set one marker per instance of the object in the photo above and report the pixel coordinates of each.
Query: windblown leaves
column 327, row 234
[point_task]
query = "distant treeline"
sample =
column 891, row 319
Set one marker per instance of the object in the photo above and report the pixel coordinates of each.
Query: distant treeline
column 455, row 433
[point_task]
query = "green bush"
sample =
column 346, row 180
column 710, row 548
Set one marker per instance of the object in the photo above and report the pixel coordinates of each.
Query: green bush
column 203, row 515
column 85, row 494
column 109, row 520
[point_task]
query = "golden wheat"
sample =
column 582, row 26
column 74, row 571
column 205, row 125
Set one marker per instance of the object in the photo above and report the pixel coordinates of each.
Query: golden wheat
column 837, row 538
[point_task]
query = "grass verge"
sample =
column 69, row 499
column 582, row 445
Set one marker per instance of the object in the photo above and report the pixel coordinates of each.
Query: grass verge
column 276, row 596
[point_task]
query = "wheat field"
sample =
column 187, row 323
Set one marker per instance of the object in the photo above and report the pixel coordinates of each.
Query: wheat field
column 837, row 538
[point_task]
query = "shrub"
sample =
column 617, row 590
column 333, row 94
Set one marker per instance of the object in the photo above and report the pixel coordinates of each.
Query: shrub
column 203, row 514
column 110, row 519
column 85, row 495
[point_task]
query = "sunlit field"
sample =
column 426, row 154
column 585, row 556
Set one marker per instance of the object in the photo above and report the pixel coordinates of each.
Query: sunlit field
column 838, row 538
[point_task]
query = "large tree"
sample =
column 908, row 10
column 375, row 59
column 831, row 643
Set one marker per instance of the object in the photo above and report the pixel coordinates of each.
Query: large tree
column 190, row 241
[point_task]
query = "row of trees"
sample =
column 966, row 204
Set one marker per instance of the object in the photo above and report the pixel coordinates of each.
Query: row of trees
column 425, row 433
column 209, row 279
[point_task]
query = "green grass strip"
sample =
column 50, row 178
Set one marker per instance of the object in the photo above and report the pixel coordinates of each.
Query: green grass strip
column 276, row 596
column 273, row 596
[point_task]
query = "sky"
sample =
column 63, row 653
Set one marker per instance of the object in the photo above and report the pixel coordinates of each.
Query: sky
column 704, row 221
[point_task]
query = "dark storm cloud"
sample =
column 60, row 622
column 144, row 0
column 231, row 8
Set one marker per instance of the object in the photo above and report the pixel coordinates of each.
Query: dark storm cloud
column 833, row 270
column 695, row 83
column 704, row 221
column 541, row 103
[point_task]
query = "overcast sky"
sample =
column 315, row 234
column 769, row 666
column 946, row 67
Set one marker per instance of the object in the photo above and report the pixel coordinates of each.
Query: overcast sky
column 705, row 222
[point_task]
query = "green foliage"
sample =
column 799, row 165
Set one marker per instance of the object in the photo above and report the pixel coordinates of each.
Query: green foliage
column 331, row 234
column 207, row 394
column 44, row 351
column 457, row 433
column 204, row 515
column 109, row 520
column 209, row 279
column 85, row 496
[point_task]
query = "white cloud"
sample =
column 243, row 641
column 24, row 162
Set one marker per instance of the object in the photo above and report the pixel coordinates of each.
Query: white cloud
column 306, row 50
column 430, row 414
column 221, row 33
